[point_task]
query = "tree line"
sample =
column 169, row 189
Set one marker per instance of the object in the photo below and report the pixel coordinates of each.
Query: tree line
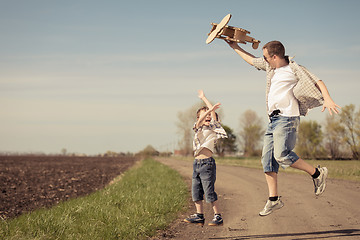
column 337, row 138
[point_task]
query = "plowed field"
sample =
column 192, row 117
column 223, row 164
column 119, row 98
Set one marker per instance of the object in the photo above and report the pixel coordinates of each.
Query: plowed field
column 31, row 182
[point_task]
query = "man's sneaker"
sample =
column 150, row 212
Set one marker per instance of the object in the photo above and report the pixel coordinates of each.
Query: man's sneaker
column 320, row 181
column 195, row 219
column 270, row 206
column 217, row 220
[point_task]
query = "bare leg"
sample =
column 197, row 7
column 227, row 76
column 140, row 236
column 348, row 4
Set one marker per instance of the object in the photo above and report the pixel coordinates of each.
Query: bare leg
column 271, row 179
column 274, row 202
column 199, row 207
column 215, row 207
column 302, row 165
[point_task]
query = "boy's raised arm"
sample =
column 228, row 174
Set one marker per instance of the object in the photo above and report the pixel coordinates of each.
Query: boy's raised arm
column 201, row 95
column 203, row 116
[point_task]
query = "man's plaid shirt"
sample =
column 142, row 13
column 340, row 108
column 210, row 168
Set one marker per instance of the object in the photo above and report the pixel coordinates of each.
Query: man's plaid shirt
column 305, row 91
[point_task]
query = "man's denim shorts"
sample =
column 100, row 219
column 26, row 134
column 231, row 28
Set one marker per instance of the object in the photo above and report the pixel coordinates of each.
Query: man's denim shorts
column 203, row 180
column 279, row 141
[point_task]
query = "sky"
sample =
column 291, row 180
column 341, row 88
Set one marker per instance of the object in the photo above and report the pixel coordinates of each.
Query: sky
column 92, row 76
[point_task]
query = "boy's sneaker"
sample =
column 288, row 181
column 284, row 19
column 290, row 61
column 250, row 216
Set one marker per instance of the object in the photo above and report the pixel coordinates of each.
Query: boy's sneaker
column 195, row 219
column 320, row 181
column 217, row 220
column 270, row 206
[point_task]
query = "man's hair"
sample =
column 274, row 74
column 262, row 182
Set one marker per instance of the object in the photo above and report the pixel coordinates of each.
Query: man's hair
column 201, row 109
column 275, row 48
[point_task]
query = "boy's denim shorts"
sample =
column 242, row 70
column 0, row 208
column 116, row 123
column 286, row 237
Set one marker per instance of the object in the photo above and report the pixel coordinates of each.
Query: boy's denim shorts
column 279, row 141
column 203, row 180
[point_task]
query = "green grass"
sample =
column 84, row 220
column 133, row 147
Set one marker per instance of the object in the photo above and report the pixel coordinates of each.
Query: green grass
column 347, row 170
column 145, row 199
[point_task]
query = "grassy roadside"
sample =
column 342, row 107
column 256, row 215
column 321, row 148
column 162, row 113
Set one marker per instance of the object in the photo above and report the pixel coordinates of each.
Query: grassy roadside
column 346, row 170
column 145, row 199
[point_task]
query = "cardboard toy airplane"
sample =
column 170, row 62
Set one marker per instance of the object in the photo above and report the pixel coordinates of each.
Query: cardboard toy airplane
column 229, row 33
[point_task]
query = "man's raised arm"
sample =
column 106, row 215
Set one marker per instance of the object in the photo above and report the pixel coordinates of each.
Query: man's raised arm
column 245, row 55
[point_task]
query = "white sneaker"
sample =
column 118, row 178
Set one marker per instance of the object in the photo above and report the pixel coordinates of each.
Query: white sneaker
column 271, row 206
column 320, row 181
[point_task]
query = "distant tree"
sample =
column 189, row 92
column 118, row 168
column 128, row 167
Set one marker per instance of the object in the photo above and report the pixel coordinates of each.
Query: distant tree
column 333, row 137
column 309, row 140
column 350, row 120
column 63, row 151
column 226, row 145
column 149, row 151
column 110, row 153
column 185, row 123
column 251, row 133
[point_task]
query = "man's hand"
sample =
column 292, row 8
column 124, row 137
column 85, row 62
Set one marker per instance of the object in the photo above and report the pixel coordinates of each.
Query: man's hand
column 331, row 106
column 328, row 102
column 242, row 53
column 232, row 44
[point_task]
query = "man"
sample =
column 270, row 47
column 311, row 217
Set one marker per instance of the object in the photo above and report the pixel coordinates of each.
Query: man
column 291, row 91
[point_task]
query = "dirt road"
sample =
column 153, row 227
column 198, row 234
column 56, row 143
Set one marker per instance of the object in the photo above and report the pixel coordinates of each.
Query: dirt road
column 243, row 193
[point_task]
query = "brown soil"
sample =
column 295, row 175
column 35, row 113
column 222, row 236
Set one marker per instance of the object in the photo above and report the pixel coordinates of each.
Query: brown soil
column 32, row 182
column 243, row 193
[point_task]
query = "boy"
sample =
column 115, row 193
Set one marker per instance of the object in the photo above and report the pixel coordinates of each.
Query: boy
column 207, row 131
column 291, row 91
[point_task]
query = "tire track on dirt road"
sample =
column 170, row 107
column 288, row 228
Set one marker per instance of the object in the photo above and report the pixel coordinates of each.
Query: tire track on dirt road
column 243, row 193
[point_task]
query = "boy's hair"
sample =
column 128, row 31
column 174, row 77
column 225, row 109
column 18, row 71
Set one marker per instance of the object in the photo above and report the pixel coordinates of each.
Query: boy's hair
column 201, row 109
column 217, row 117
column 275, row 48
